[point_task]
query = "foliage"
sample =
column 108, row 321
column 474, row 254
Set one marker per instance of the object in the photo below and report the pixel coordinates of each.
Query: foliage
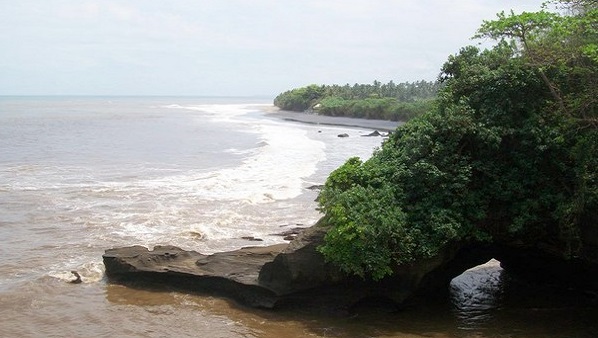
column 373, row 108
column 509, row 154
column 299, row 99
column 372, row 101
column 563, row 51
column 389, row 210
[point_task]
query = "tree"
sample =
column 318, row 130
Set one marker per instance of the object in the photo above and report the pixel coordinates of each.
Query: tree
column 563, row 50
column 299, row 99
column 509, row 155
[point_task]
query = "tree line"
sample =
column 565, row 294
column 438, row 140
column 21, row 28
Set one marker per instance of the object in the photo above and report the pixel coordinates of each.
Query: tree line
column 389, row 101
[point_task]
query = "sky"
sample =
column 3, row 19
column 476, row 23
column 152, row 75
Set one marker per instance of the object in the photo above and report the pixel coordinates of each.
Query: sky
column 229, row 47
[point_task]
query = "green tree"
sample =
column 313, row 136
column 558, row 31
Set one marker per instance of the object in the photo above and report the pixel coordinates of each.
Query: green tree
column 299, row 99
column 508, row 155
column 562, row 49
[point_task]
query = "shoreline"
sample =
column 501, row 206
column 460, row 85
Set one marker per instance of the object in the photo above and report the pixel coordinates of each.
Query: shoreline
column 380, row 125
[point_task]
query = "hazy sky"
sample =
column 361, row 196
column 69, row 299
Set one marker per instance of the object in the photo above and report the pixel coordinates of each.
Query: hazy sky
column 229, row 47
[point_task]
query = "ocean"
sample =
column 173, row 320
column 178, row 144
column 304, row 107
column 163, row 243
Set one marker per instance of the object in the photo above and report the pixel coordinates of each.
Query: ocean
column 79, row 175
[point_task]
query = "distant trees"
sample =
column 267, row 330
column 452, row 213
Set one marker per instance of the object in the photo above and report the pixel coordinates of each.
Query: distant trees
column 390, row 101
column 299, row 99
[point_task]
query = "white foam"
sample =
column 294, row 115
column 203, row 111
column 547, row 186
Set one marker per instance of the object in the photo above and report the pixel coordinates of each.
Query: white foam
column 220, row 112
column 193, row 208
column 90, row 272
column 236, row 151
column 173, row 106
column 274, row 170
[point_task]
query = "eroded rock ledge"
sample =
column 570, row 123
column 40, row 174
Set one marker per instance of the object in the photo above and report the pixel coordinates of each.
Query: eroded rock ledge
column 233, row 274
column 282, row 275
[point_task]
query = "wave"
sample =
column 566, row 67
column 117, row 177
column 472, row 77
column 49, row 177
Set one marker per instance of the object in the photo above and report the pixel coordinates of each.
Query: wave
column 221, row 112
column 273, row 171
column 205, row 190
column 91, row 206
column 90, row 272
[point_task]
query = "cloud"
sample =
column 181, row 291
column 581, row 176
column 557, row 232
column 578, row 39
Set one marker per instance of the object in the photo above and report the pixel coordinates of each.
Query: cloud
column 83, row 10
column 230, row 47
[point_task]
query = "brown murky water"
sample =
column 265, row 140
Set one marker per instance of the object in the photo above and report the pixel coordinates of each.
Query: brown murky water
column 482, row 306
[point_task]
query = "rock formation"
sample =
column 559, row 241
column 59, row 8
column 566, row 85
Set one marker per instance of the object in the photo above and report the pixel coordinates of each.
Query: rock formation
column 233, row 274
column 283, row 275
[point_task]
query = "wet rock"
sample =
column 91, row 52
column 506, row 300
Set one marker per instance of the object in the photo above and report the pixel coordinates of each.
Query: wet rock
column 373, row 134
column 252, row 239
column 231, row 274
column 316, row 187
column 291, row 232
column 343, row 135
column 77, row 279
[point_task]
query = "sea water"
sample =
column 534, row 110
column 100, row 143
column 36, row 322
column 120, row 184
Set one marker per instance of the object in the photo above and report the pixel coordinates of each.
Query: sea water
column 79, row 175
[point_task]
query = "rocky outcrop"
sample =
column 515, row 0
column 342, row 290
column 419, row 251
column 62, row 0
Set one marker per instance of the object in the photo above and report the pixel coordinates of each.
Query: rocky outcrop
column 283, row 275
column 232, row 274
column 296, row 274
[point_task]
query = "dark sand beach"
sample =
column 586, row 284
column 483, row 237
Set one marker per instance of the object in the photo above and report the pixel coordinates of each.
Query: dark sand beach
column 381, row 125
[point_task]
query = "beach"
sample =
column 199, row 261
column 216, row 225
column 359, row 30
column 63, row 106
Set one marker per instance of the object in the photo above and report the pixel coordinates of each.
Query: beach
column 313, row 118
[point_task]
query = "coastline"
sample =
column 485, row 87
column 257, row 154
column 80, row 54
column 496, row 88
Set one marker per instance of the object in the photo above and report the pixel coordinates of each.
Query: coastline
column 380, row 125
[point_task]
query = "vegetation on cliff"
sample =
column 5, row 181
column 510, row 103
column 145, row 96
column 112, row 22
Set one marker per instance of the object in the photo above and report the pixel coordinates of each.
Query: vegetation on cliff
column 390, row 101
column 508, row 154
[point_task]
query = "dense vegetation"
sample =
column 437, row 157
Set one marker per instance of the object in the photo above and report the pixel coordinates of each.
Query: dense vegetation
column 390, row 101
column 509, row 154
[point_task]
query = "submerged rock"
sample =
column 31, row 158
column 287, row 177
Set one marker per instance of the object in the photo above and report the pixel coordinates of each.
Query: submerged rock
column 77, row 279
column 252, row 239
